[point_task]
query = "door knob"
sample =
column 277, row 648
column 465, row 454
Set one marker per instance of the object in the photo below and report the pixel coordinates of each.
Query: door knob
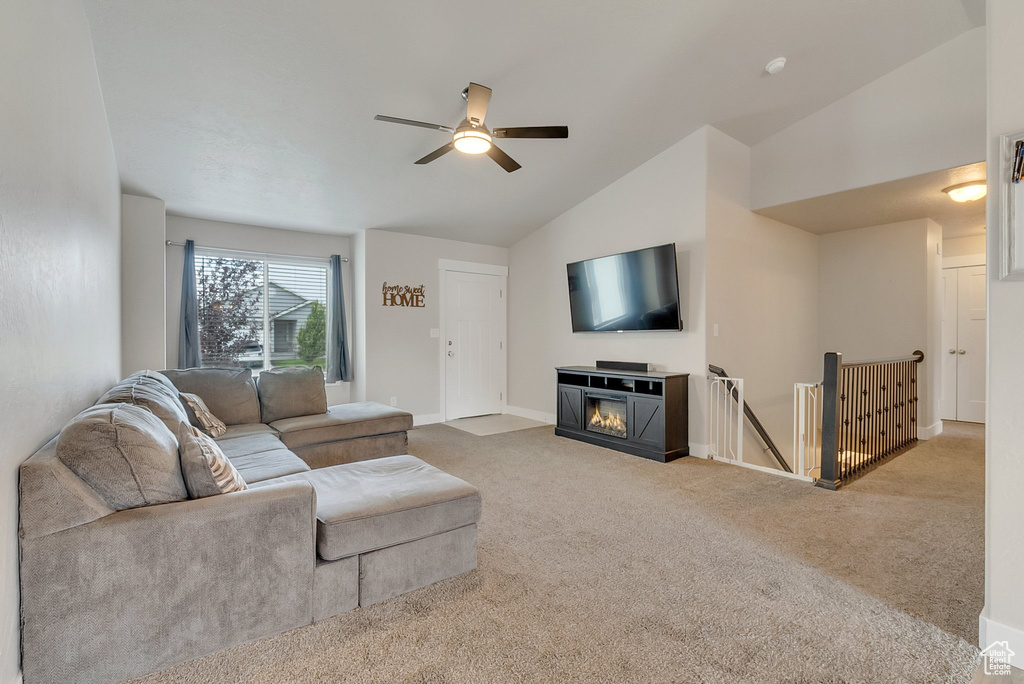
column 952, row 351
column 451, row 355
column 963, row 351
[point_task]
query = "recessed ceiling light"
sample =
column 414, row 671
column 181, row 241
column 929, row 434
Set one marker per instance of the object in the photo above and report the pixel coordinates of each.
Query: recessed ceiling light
column 776, row 65
column 967, row 192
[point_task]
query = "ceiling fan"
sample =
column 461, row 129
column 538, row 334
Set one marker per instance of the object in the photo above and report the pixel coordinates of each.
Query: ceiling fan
column 471, row 136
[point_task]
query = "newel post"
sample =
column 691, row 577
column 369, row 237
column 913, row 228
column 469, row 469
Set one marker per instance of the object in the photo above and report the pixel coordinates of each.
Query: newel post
column 830, row 407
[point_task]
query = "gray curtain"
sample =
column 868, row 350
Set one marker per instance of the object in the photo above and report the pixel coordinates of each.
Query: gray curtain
column 188, row 326
column 338, row 366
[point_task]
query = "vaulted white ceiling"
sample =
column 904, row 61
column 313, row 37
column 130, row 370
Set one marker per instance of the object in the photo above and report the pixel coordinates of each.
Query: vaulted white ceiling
column 262, row 112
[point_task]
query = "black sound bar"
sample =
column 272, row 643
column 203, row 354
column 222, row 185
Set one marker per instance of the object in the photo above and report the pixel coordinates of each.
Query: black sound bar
column 625, row 366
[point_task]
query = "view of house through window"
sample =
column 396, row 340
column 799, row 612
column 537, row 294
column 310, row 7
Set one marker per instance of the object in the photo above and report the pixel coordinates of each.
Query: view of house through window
column 261, row 313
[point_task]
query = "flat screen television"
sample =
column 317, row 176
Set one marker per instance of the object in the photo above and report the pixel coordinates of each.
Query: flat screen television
column 632, row 291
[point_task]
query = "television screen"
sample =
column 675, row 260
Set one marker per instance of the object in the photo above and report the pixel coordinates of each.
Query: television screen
column 629, row 291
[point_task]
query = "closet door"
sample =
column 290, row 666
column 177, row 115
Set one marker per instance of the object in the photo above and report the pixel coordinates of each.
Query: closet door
column 947, row 400
column 970, row 380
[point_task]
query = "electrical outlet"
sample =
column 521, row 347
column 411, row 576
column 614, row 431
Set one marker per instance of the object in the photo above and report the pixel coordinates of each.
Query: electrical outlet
column 435, row 332
column 394, row 401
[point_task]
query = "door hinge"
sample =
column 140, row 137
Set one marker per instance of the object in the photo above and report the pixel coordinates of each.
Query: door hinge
column 501, row 293
column 500, row 344
column 501, row 395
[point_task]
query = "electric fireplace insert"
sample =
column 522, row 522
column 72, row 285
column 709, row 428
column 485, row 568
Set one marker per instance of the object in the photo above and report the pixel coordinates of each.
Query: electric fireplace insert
column 639, row 412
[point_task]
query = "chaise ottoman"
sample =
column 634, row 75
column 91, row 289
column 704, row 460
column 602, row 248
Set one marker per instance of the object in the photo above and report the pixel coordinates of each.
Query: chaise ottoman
column 408, row 524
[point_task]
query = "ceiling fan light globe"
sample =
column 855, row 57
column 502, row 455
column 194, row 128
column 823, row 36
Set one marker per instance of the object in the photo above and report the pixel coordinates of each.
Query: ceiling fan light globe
column 472, row 140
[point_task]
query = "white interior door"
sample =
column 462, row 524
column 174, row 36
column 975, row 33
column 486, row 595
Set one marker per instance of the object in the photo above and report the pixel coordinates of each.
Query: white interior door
column 971, row 344
column 474, row 344
column 948, row 401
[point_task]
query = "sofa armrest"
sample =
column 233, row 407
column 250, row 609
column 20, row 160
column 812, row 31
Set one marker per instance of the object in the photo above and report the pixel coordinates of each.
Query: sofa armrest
column 146, row 588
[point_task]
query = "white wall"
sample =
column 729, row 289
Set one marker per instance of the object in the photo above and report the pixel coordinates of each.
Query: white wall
column 660, row 201
column 929, row 373
column 358, row 334
column 878, row 297
column 1003, row 616
column 763, row 296
column 252, row 239
column 967, row 246
column 926, row 115
column 143, row 342
column 60, row 243
column 402, row 359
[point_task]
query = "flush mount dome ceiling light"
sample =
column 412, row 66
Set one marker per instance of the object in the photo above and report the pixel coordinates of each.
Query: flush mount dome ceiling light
column 967, row 192
column 776, row 65
column 472, row 137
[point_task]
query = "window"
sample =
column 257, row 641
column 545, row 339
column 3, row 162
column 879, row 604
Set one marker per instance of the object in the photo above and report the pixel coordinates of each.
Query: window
column 261, row 313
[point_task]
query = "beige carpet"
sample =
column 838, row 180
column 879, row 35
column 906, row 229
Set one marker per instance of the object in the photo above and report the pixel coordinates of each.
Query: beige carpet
column 596, row 566
column 482, row 426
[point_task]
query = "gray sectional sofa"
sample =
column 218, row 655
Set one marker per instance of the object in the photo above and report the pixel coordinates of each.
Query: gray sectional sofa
column 335, row 515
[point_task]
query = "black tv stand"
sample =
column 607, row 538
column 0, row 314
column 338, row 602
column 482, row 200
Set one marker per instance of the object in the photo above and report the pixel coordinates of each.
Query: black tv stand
column 643, row 413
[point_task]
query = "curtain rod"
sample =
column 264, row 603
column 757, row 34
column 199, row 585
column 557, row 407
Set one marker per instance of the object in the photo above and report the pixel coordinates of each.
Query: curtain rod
column 169, row 243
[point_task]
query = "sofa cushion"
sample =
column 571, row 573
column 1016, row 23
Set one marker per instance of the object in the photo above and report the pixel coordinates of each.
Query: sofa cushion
column 149, row 393
column 125, row 454
column 374, row 504
column 52, row 498
column 200, row 415
column 290, row 392
column 154, row 375
column 267, row 465
column 230, row 393
column 247, row 429
column 204, row 467
column 250, row 444
column 346, row 421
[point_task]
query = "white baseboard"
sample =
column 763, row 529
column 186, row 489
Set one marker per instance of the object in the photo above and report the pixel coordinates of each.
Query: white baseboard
column 766, row 469
column 990, row 631
column 427, row 419
column 541, row 416
column 700, row 450
column 933, row 430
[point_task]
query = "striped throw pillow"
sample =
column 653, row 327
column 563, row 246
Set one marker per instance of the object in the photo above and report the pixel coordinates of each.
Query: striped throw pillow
column 211, row 424
column 206, row 470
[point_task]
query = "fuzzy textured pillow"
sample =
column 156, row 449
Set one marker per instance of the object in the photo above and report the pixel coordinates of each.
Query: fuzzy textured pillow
column 196, row 407
column 124, row 453
column 150, row 393
column 207, row 471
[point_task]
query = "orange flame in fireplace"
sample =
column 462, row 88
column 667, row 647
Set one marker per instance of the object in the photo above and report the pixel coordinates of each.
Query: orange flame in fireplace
column 612, row 421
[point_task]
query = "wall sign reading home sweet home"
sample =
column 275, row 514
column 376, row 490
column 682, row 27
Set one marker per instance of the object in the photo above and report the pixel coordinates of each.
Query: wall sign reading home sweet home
column 403, row 295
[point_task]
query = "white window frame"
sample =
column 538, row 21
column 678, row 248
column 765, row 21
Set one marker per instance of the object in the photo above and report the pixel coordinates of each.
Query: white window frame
column 267, row 258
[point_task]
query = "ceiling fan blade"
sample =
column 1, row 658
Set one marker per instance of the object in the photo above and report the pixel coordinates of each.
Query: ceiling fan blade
column 410, row 122
column 532, row 132
column 439, row 152
column 504, row 161
column 477, row 100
